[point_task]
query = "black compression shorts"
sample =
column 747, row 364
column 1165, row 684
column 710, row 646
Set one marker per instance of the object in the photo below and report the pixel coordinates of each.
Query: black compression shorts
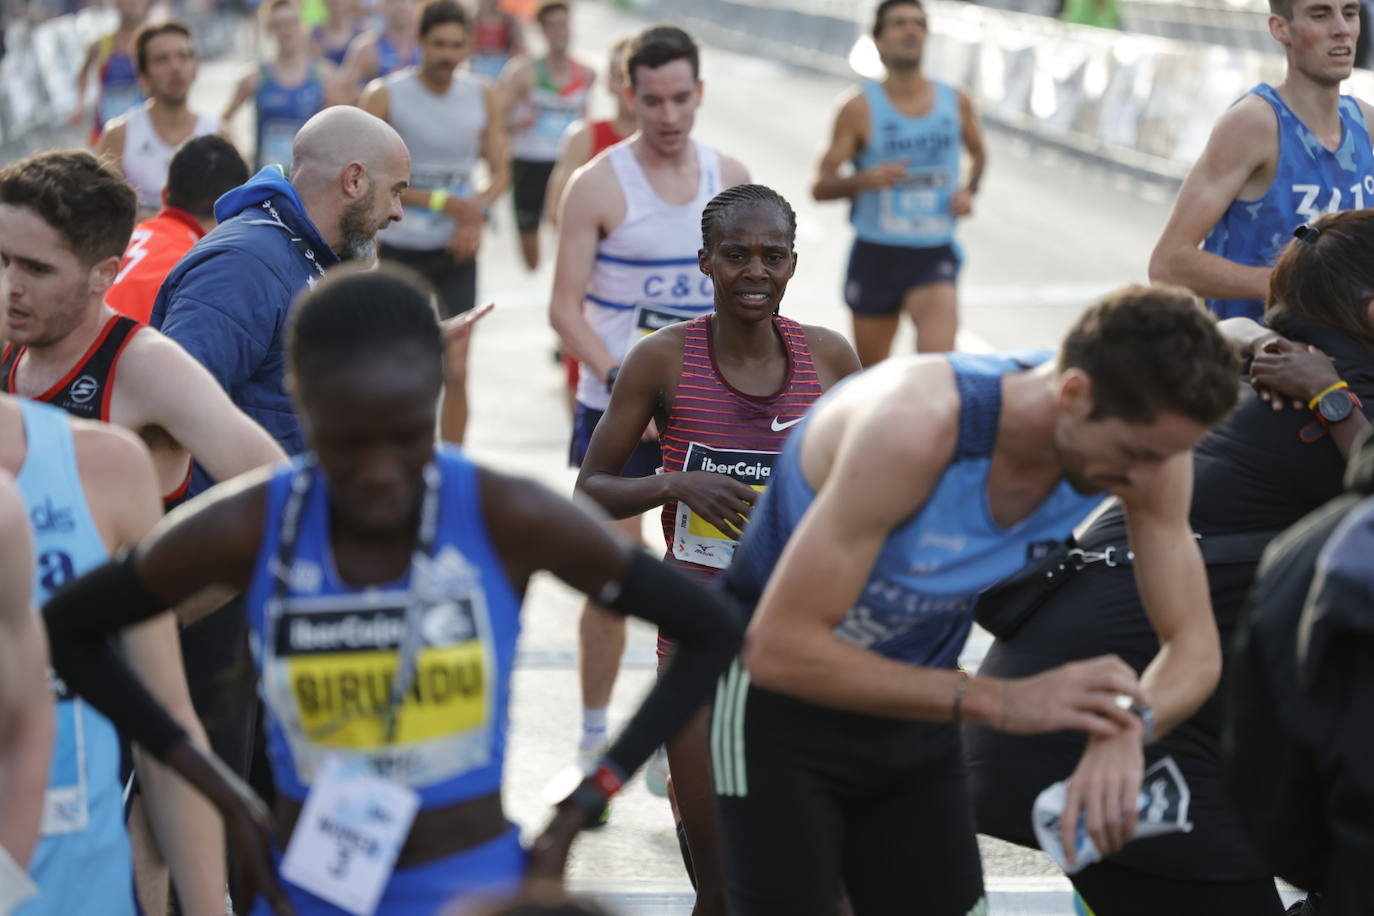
column 880, row 276
column 529, row 185
column 454, row 280
column 815, row 802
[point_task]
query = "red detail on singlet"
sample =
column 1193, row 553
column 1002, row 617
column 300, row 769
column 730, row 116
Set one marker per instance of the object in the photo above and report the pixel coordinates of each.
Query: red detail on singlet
column 708, row 411
column 604, row 137
column 155, row 247
column 493, row 36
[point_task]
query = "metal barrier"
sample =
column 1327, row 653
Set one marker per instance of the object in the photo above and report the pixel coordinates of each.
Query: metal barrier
column 1141, row 102
column 38, row 73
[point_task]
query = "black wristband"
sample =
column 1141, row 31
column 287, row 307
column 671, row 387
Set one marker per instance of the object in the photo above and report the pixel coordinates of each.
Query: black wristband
column 709, row 628
column 101, row 601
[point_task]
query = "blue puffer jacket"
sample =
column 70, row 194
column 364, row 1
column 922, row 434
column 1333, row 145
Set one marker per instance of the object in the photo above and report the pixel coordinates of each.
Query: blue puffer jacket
column 226, row 301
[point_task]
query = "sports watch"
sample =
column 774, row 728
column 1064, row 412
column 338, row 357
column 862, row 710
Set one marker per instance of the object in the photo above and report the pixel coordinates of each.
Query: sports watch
column 1334, row 404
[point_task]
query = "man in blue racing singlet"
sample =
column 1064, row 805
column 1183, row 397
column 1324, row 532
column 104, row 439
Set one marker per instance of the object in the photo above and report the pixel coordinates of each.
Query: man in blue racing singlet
column 1281, row 156
column 903, row 494
column 904, row 137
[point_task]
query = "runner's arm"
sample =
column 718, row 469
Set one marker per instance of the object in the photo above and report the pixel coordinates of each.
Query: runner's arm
column 495, row 150
column 210, row 541
column 116, row 467
column 110, row 146
column 846, row 140
column 83, row 77
column 171, row 390
column 360, row 61
column 1238, row 147
column 578, row 236
column 637, row 393
column 972, row 133
column 26, row 706
column 1173, row 588
column 242, row 93
column 732, row 172
column 533, row 529
column 576, row 150
column 512, row 88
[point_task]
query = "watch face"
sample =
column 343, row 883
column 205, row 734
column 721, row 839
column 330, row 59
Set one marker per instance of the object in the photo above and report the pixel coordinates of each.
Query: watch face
column 1335, row 406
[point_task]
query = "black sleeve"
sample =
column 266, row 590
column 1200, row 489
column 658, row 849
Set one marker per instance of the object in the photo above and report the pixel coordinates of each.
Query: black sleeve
column 81, row 618
column 709, row 629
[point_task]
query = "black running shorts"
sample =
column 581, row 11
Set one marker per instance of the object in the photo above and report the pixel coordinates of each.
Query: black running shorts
column 880, row 276
column 454, row 280
column 529, row 185
column 815, row 803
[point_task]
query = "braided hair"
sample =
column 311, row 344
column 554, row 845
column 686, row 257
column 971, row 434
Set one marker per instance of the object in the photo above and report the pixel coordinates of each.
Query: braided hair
column 726, row 202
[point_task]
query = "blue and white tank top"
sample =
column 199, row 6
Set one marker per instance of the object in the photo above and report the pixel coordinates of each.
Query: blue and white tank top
column 646, row 274
column 916, row 213
column 82, row 864
column 281, row 111
column 917, row 605
column 328, row 652
column 1311, row 180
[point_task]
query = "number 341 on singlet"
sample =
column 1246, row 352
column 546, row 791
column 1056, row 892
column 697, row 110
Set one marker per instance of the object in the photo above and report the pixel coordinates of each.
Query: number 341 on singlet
column 696, row 540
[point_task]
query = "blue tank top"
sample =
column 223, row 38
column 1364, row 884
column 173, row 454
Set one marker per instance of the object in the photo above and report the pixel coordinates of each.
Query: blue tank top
column 82, row 863
column 328, row 655
column 389, row 59
column 916, row 213
column 281, row 112
column 1311, row 180
column 119, row 89
column 917, row 605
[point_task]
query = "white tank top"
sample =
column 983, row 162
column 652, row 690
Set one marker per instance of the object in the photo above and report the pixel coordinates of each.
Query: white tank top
column 646, row 273
column 146, row 155
column 444, row 136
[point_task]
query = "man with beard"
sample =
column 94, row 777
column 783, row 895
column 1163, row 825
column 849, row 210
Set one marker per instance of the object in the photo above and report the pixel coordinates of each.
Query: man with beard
column 448, row 120
column 1279, row 157
column 226, row 303
column 896, row 501
column 141, row 142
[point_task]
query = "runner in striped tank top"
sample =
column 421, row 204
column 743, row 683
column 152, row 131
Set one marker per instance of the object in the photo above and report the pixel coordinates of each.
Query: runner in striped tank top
column 726, row 389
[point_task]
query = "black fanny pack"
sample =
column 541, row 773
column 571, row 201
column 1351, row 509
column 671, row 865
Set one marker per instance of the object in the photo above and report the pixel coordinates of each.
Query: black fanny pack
column 1004, row 607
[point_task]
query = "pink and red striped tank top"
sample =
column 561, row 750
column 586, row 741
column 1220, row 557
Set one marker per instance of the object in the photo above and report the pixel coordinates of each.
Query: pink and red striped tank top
column 715, row 427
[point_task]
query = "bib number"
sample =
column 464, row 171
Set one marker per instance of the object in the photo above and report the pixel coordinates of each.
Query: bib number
column 649, row 318
column 696, row 540
column 918, row 206
column 349, row 834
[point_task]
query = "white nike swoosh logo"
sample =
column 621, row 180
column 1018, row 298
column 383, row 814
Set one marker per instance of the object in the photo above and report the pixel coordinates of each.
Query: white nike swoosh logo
column 779, row 427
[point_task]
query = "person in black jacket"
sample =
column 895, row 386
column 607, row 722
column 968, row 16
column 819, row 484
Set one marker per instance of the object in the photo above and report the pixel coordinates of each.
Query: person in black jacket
column 1280, row 455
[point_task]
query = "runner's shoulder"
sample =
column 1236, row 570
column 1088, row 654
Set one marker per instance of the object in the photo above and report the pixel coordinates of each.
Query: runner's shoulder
column 832, row 350
column 107, row 456
column 1247, row 128
column 732, row 171
column 907, row 405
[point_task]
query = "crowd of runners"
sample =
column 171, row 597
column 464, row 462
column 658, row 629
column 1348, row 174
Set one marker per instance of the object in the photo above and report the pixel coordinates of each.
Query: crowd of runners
column 279, row 603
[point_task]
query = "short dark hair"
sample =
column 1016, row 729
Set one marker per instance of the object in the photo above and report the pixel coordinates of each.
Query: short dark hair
column 658, row 46
column 1282, row 8
column 1150, row 349
column 550, row 6
column 86, row 200
column 152, row 30
column 719, row 208
column 1327, row 277
column 356, row 311
column 203, row 169
column 441, row 12
column 880, row 14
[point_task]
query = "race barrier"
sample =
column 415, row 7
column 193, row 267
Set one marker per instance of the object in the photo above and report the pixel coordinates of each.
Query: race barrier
column 1141, row 102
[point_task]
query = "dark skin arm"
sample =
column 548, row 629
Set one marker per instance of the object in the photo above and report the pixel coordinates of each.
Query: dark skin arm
column 644, row 391
column 1302, row 372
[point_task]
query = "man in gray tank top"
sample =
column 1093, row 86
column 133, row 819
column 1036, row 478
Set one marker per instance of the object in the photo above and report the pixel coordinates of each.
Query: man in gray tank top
column 448, row 120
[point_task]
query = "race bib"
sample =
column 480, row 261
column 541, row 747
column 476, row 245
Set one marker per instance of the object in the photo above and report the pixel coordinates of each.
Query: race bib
column 649, row 318
column 696, row 540
column 116, row 100
column 66, row 804
column 350, row 832
column 551, row 123
column 332, row 673
column 920, row 205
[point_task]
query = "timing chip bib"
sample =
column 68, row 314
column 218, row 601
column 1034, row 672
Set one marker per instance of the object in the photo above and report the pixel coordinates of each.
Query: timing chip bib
column 332, row 680
column 696, row 540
